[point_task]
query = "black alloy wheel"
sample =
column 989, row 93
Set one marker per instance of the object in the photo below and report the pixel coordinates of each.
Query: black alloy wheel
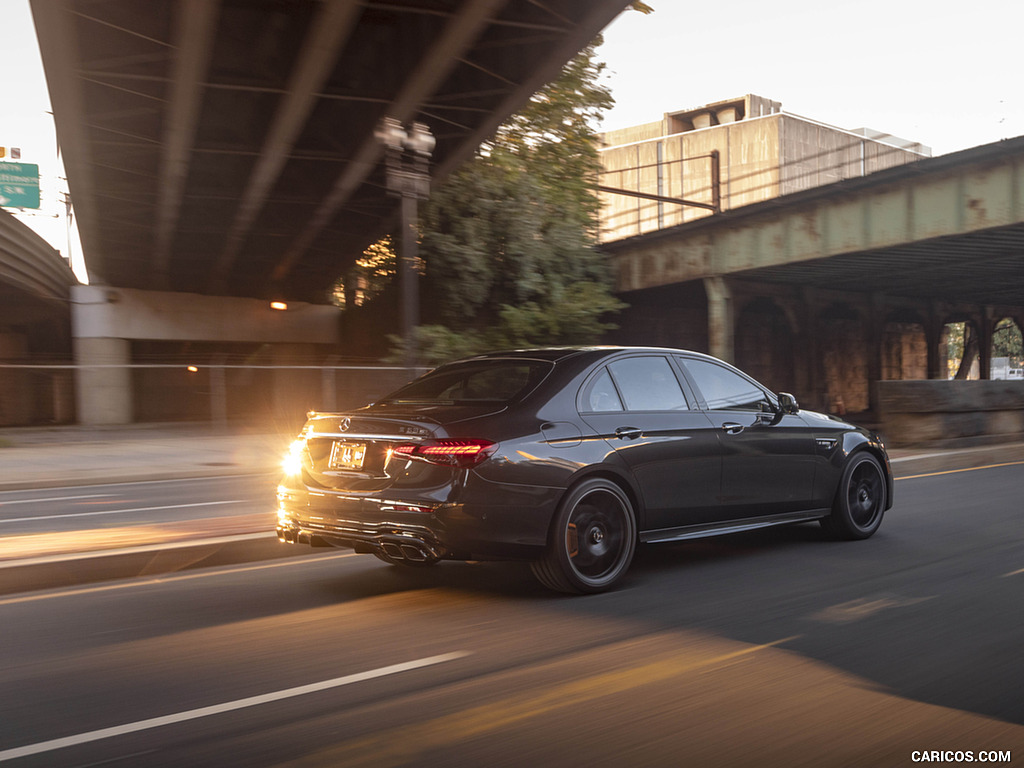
column 592, row 540
column 860, row 499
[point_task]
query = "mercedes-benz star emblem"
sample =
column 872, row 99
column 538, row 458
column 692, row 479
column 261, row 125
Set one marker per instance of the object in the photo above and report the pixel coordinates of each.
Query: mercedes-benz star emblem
column 345, row 424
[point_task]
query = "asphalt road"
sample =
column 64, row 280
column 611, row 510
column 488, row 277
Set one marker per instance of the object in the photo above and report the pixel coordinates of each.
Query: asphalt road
column 101, row 507
column 771, row 648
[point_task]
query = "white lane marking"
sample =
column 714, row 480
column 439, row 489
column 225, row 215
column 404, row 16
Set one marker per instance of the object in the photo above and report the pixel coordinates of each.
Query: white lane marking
column 228, row 706
column 119, row 511
column 170, row 578
column 91, row 554
column 56, row 498
column 116, row 484
column 896, row 460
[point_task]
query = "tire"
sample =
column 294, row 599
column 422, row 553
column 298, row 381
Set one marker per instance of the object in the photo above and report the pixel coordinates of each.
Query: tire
column 592, row 539
column 860, row 499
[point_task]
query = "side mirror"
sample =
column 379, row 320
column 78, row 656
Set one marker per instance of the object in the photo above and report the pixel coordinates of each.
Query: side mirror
column 788, row 403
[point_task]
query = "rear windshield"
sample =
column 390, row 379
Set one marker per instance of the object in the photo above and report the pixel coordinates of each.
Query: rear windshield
column 476, row 381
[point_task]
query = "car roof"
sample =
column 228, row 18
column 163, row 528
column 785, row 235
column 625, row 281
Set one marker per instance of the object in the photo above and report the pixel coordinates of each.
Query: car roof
column 556, row 354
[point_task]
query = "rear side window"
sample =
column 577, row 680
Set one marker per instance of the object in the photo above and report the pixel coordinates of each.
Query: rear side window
column 648, row 384
column 724, row 389
column 601, row 396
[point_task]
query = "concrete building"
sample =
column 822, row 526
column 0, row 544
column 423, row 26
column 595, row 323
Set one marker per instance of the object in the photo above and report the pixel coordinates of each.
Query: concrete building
column 725, row 155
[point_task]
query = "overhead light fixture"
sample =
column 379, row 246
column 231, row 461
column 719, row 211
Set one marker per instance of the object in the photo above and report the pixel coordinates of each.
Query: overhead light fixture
column 279, row 305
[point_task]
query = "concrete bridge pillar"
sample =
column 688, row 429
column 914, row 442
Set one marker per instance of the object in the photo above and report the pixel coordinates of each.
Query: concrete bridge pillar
column 936, row 349
column 104, row 380
column 721, row 319
column 986, row 330
column 876, row 346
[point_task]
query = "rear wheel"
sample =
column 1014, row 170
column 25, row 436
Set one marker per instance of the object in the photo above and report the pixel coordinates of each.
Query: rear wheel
column 860, row 499
column 592, row 539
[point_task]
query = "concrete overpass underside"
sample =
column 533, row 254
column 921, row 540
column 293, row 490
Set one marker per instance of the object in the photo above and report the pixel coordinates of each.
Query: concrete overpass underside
column 223, row 153
column 227, row 147
column 839, row 292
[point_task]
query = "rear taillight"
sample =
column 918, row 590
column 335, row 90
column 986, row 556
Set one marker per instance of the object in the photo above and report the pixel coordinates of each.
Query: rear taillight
column 449, row 451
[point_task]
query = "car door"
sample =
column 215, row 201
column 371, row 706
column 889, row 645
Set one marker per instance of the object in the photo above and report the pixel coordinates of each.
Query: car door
column 638, row 405
column 768, row 458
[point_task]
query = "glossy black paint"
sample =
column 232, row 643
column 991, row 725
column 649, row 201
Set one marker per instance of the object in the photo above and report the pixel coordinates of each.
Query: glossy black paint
column 691, row 461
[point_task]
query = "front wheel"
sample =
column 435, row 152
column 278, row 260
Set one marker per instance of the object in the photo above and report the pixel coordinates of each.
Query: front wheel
column 860, row 499
column 592, row 539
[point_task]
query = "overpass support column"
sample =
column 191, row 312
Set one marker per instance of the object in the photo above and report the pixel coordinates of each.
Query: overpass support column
column 986, row 330
column 876, row 348
column 721, row 319
column 104, row 380
column 936, row 349
column 813, row 388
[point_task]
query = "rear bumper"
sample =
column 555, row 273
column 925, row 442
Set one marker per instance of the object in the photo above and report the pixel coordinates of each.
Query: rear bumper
column 517, row 529
column 393, row 543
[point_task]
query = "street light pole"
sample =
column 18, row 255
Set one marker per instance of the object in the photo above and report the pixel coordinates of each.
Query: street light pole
column 407, row 154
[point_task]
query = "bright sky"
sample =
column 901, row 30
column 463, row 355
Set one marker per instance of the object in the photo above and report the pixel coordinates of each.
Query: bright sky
column 943, row 74
column 26, row 123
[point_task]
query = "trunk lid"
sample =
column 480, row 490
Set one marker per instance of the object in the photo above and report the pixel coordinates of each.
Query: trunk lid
column 351, row 451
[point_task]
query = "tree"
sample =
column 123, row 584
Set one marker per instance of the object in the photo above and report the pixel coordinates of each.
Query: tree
column 509, row 242
column 1007, row 342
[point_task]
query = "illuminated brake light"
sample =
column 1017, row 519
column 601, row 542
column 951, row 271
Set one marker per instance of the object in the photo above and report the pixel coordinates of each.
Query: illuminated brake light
column 449, row 451
column 453, row 450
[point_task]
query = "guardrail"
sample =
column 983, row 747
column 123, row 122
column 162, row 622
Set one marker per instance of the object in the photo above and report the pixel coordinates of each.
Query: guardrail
column 45, row 393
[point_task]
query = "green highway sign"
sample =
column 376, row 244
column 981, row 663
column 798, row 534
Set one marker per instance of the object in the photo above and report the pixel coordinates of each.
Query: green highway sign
column 19, row 185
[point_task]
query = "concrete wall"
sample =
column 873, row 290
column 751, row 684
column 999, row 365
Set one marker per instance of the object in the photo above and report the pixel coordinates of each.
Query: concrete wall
column 101, row 312
column 114, row 388
column 950, row 413
column 278, row 395
column 635, row 133
column 813, row 154
column 15, row 384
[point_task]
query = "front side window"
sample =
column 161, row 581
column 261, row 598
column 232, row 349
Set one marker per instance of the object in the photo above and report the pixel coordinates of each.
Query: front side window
column 648, row 384
column 723, row 389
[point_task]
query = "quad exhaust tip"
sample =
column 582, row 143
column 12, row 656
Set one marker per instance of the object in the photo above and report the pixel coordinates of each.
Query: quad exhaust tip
column 411, row 552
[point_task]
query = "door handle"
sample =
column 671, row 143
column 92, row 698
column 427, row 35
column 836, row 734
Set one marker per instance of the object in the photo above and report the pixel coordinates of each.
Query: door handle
column 732, row 428
column 628, row 433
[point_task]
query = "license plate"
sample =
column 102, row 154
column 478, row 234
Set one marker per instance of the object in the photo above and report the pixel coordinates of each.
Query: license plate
column 347, row 455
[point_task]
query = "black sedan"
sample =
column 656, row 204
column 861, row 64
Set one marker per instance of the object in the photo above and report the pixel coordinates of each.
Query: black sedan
column 568, row 458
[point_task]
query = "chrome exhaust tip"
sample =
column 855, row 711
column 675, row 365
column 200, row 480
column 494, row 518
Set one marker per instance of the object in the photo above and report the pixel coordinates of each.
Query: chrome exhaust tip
column 414, row 554
column 392, row 550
